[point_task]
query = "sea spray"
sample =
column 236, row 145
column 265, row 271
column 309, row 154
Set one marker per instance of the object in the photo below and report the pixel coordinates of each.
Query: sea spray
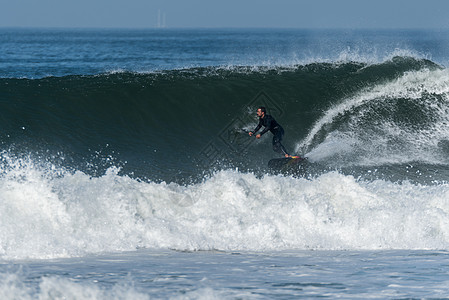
column 400, row 121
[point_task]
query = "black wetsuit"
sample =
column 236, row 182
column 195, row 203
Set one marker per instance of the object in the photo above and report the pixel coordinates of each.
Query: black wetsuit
column 270, row 124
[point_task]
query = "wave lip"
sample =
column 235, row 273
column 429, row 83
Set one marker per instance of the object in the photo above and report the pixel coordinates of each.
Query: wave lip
column 398, row 121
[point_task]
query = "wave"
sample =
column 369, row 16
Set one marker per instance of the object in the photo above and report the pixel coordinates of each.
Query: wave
column 94, row 164
column 49, row 213
column 407, row 114
column 164, row 125
column 15, row 285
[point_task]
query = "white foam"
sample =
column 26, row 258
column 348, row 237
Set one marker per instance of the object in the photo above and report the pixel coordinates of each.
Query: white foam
column 71, row 215
column 366, row 54
column 15, row 286
column 373, row 146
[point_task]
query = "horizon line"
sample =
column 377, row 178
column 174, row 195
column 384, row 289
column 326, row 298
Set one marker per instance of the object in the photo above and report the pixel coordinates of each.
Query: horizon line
column 219, row 27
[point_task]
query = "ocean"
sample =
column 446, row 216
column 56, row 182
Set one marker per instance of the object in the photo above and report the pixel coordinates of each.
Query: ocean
column 127, row 171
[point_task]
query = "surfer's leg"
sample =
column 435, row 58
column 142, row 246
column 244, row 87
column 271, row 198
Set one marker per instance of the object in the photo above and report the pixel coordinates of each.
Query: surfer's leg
column 277, row 146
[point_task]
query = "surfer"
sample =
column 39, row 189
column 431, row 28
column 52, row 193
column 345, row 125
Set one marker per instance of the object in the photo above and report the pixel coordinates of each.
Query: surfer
column 270, row 124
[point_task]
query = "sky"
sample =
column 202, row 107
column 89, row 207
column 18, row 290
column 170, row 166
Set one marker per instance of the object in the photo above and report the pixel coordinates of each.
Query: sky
column 225, row 13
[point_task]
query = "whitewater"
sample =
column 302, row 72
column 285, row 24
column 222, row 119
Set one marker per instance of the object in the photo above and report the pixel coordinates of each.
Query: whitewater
column 72, row 215
column 129, row 174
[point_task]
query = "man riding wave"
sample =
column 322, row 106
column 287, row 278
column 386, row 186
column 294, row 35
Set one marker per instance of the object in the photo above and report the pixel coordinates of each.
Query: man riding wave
column 270, row 124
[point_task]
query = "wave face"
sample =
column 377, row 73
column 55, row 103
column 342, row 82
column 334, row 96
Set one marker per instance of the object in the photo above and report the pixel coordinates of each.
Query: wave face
column 120, row 161
column 159, row 125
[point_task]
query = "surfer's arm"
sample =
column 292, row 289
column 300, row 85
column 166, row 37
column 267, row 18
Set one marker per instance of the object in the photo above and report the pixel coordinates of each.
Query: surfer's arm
column 264, row 131
column 255, row 129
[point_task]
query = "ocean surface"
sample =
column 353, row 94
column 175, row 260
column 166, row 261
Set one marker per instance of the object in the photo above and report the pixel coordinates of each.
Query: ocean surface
column 127, row 171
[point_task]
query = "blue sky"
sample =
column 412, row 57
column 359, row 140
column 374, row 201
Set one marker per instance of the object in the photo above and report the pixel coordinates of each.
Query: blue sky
column 226, row 13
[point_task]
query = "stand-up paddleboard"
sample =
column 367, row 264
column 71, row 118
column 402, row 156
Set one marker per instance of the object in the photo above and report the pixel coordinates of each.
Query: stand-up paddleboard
column 286, row 164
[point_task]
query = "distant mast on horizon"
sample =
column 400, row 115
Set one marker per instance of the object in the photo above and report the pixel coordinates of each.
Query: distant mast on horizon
column 159, row 23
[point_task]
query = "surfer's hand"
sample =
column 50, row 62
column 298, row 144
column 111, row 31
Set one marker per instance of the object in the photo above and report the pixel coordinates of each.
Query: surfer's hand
column 250, row 133
column 258, row 136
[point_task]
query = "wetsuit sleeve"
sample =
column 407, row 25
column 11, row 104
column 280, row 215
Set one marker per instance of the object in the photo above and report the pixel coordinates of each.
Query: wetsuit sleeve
column 258, row 126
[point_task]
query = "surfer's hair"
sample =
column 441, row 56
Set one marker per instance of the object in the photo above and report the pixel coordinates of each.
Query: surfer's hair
column 263, row 109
